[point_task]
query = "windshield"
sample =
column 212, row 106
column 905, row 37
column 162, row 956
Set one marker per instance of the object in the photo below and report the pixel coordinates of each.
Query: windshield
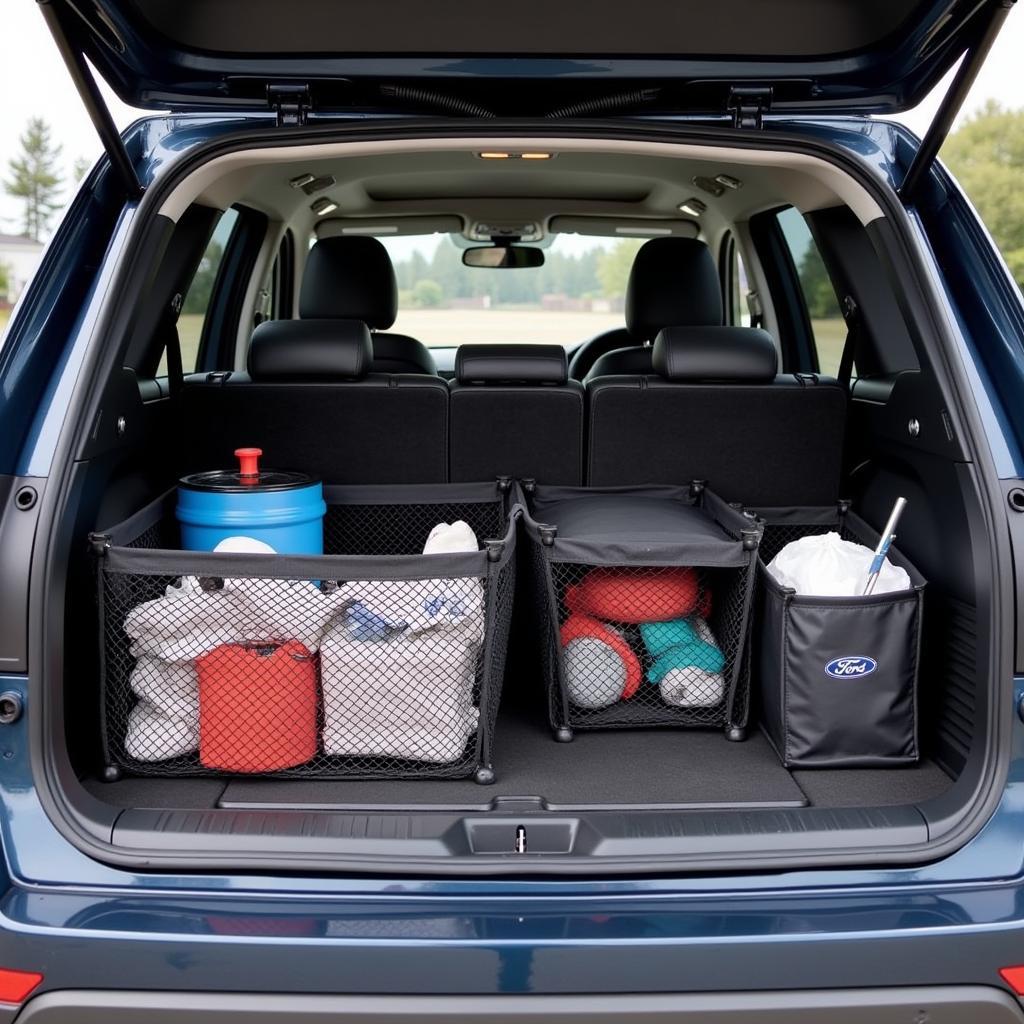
column 579, row 292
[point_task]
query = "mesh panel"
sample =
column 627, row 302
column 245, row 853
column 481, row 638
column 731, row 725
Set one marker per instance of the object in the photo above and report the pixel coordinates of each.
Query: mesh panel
column 300, row 677
column 402, row 529
column 164, row 534
column 545, row 628
column 674, row 663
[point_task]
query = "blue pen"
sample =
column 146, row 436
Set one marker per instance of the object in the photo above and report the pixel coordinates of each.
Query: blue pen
column 888, row 536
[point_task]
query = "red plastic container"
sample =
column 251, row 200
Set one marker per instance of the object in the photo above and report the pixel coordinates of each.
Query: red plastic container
column 257, row 707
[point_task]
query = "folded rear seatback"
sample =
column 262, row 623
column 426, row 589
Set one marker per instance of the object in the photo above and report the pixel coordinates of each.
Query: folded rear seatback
column 514, row 412
column 310, row 404
column 716, row 410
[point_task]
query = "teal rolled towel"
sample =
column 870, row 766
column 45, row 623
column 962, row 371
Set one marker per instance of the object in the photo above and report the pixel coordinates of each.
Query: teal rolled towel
column 688, row 663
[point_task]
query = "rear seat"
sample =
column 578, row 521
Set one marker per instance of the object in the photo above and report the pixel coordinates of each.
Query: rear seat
column 514, row 412
column 352, row 278
column 310, row 402
column 715, row 410
column 672, row 283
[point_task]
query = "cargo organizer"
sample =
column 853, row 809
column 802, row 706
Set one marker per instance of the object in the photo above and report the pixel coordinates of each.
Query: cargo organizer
column 644, row 599
column 370, row 661
column 837, row 675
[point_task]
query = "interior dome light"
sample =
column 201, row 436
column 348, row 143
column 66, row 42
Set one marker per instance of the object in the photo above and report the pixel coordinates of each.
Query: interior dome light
column 324, row 205
column 694, row 207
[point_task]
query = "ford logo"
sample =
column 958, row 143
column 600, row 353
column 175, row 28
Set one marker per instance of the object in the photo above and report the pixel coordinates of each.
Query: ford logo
column 851, row 667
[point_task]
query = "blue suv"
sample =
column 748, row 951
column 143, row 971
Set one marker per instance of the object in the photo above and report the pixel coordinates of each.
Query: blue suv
column 535, row 732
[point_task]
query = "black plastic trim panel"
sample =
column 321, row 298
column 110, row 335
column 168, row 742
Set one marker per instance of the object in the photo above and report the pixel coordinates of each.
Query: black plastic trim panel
column 19, row 511
column 609, row 841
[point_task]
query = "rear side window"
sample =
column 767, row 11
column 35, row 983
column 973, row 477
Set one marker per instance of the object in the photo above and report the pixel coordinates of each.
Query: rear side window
column 735, row 286
column 276, row 298
column 823, row 311
column 196, row 300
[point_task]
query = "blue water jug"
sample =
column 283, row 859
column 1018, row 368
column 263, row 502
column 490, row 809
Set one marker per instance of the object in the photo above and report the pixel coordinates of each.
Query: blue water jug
column 284, row 511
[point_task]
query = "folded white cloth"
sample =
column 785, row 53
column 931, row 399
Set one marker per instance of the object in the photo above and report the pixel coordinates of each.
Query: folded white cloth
column 451, row 537
column 410, row 696
column 169, row 633
column 165, row 721
column 190, row 621
column 389, row 607
column 399, row 670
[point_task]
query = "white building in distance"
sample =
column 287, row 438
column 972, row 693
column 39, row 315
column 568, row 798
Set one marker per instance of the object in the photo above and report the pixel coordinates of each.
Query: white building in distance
column 20, row 257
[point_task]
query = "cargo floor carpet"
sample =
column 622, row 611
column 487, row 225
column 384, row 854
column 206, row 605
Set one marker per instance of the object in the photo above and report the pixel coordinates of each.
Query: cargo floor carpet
column 662, row 768
column 599, row 769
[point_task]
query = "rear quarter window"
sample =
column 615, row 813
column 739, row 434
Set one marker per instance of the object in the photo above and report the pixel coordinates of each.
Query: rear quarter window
column 826, row 318
column 196, row 300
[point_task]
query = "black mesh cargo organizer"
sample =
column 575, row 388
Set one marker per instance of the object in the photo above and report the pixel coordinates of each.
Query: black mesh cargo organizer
column 837, row 675
column 374, row 660
column 645, row 598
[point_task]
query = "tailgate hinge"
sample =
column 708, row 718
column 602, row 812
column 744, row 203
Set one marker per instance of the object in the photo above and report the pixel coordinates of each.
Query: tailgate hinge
column 749, row 104
column 290, row 101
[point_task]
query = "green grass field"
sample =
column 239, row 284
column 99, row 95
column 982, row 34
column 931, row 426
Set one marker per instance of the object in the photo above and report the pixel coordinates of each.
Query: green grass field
column 465, row 326
column 830, row 336
column 190, row 327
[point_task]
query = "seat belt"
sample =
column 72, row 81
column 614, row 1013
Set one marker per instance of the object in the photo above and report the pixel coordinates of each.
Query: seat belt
column 755, row 309
column 175, row 372
column 851, row 314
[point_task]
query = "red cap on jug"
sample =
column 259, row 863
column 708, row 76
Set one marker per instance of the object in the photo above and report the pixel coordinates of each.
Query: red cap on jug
column 249, row 464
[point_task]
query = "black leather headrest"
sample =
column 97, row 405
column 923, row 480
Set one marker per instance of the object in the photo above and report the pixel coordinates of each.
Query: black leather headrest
column 631, row 361
column 308, row 350
column 398, row 353
column 349, row 278
column 511, row 364
column 673, row 283
column 715, row 354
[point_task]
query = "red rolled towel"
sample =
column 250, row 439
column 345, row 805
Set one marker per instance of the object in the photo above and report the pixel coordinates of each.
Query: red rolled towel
column 635, row 595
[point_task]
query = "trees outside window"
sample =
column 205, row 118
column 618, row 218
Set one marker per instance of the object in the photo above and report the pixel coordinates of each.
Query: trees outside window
column 986, row 155
column 34, row 178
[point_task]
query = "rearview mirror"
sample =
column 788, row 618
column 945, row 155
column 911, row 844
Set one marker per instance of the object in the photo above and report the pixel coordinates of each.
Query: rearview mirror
column 496, row 257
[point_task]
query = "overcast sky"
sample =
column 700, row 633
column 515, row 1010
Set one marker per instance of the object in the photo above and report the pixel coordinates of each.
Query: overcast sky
column 34, row 81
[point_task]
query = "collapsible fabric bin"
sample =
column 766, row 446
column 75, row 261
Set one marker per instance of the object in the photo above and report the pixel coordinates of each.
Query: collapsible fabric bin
column 374, row 660
column 837, row 675
column 644, row 597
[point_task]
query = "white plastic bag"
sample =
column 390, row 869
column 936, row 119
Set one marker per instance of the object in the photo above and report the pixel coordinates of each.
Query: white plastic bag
column 828, row 566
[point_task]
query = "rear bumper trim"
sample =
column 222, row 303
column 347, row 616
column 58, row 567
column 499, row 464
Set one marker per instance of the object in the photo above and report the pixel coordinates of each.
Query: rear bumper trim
column 947, row 1004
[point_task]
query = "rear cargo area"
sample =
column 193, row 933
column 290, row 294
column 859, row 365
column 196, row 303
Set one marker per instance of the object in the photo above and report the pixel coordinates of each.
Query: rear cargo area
column 494, row 710
column 526, row 612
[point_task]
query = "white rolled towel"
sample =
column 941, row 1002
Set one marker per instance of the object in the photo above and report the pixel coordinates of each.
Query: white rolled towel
column 448, row 538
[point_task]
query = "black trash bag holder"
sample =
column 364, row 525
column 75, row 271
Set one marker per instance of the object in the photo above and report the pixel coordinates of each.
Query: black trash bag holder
column 837, row 676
